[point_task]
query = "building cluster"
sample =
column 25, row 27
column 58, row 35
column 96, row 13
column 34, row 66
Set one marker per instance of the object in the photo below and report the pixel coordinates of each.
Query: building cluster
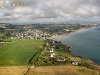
column 30, row 34
column 52, row 53
column 59, row 58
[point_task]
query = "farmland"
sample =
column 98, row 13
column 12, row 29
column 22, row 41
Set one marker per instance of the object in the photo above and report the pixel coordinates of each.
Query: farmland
column 19, row 52
column 63, row 70
column 13, row 70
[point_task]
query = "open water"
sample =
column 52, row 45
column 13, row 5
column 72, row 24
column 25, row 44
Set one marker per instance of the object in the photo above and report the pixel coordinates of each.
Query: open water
column 85, row 43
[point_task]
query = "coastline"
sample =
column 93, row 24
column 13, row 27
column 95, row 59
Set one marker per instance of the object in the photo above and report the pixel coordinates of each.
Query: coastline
column 22, row 70
column 62, row 35
column 54, row 37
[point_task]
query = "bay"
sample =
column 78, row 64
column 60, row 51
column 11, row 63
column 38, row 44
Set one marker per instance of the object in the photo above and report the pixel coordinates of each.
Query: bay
column 84, row 43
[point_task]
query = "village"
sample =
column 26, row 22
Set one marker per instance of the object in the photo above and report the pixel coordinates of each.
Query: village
column 29, row 34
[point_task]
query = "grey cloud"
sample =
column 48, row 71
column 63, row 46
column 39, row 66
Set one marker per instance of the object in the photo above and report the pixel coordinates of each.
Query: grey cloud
column 48, row 9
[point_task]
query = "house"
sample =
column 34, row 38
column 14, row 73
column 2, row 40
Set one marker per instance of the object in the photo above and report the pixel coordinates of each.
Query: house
column 53, row 46
column 52, row 50
column 61, row 59
column 52, row 54
column 74, row 63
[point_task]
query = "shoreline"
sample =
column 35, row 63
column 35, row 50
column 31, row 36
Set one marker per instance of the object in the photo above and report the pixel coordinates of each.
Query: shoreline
column 54, row 37
column 76, row 31
column 62, row 35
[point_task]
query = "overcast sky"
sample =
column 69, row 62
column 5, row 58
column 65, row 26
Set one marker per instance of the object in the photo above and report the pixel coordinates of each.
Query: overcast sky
column 50, row 10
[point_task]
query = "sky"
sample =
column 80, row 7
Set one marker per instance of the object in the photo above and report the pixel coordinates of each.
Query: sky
column 50, row 10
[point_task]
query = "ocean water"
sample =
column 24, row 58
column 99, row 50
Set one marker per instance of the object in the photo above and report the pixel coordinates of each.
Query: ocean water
column 85, row 43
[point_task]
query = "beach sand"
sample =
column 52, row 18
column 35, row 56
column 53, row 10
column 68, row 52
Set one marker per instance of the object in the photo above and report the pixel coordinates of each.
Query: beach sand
column 54, row 37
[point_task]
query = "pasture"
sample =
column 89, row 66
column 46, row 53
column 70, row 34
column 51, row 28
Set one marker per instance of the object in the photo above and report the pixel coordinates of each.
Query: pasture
column 19, row 52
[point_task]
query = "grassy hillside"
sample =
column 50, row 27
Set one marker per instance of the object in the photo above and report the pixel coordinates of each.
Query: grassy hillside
column 19, row 52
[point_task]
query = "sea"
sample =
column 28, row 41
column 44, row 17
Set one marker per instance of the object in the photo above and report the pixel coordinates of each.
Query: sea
column 85, row 43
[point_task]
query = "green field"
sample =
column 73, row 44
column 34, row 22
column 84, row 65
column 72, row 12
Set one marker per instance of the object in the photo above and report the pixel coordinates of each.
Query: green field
column 19, row 52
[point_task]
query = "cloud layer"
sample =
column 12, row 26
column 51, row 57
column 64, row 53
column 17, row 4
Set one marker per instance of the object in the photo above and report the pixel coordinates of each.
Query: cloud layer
column 50, row 10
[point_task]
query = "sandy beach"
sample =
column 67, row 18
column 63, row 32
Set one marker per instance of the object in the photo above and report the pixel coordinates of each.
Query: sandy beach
column 60, row 36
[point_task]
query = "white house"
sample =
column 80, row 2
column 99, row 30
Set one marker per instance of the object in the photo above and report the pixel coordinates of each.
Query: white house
column 52, row 54
column 52, row 50
column 74, row 63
